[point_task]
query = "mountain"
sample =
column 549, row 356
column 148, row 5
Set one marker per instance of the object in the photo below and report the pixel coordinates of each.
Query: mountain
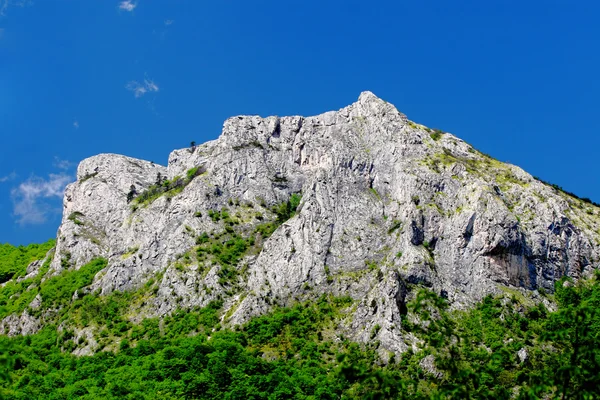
column 359, row 203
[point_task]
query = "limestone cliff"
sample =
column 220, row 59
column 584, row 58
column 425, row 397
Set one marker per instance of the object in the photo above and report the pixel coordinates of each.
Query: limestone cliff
column 386, row 204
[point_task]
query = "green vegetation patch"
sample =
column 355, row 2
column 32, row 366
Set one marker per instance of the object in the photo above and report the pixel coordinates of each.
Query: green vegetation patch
column 163, row 187
column 229, row 247
column 436, row 134
column 15, row 259
column 75, row 217
column 58, row 290
column 227, row 250
column 130, row 252
column 395, row 226
column 287, row 209
column 16, row 296
column 375, row 193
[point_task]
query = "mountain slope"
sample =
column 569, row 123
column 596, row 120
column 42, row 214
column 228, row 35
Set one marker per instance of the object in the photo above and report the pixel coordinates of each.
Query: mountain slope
column 386, row 205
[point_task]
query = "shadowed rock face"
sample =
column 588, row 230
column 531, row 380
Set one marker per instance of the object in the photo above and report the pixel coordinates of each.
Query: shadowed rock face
column 386, row 204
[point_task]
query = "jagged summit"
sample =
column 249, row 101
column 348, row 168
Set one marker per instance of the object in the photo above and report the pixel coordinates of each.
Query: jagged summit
column 367, row 96
column 387, row 205
column 370, row 102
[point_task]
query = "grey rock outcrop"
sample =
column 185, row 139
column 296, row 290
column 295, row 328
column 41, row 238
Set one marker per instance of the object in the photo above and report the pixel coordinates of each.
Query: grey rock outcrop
column 386, row 204
column 523, row 355
column 24, row 324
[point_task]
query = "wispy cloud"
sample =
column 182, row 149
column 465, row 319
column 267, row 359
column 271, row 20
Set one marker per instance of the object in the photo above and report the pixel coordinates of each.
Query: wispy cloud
column 140, row 89
column 8, row 177
column 31, row 199
column 151, row 104
column 127, row 5
column 62, row 164
column 161, row 32
column 76, row 124
column 5, row 4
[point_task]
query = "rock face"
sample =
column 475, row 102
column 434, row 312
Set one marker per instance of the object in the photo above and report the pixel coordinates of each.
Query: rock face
column 386, row 204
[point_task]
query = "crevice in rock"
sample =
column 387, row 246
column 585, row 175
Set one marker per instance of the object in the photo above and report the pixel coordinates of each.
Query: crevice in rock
column 400, row 297
column 417, row 235
column 277, row 130
column 468, row 233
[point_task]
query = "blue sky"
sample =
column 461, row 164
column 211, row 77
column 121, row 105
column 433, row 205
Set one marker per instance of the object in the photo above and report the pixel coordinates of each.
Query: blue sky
column 517, row 79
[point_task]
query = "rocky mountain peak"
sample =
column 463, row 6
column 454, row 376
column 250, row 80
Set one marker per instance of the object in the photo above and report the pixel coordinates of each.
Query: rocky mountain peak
column 387, row 205
column 369, row 104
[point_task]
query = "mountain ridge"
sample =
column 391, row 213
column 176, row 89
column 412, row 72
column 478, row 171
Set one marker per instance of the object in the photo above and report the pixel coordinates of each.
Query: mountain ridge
column 387, row 205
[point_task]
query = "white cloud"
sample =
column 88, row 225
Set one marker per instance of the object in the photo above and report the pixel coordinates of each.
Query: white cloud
column 4, row 4
column 169, row 22
column 140, row 89
column 127, row 5
column 30, row 198
column 76, row 124
column 151, row 86
column 62, row 164
column 8, row 177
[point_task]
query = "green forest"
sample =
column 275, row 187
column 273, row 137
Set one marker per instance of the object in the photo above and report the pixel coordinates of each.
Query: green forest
column 504, row 348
